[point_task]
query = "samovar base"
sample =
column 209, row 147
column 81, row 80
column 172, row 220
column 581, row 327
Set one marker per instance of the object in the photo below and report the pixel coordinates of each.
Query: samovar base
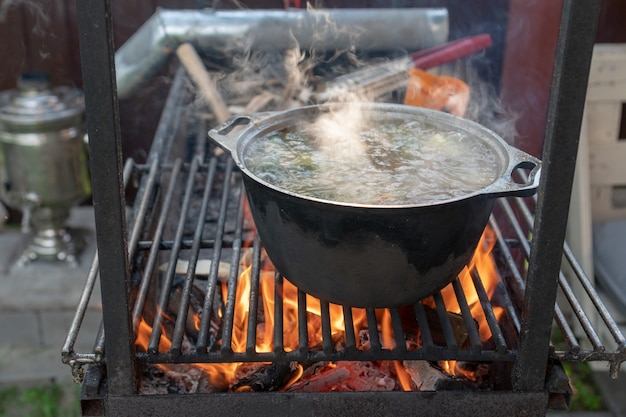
column 50, row 245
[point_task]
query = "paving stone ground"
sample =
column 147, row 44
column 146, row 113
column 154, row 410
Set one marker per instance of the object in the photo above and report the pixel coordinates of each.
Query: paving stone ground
column 37, row 305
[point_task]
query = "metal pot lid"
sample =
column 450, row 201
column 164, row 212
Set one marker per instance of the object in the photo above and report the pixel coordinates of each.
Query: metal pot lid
column 34, row 105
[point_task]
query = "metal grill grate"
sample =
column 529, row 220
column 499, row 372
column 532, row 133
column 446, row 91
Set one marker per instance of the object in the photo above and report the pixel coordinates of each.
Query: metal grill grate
column 228, row 192
column 195, row 209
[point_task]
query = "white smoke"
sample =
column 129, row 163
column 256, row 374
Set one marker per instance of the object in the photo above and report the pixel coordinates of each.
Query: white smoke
column 35, row 8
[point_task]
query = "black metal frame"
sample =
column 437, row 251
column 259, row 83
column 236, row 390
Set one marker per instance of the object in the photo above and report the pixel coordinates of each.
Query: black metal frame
column 567, row 101
column 539, row 288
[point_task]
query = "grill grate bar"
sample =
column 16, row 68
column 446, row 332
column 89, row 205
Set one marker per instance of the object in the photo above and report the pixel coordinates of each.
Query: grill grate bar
column 327, row 337
column 492, row 322
column 255, row 272
column 426, row 334
column 207, row 307
column 435, row 354
column 70, row 341
column 514, row 288
column 278, row 313
column 349, row 328
column 146, row 279
column 568, row 333
column 83, row 303
column 155, row 336
column 177, row 337
column 303, row 335
column 444, row 319
column 99, row 346
column 508, row 306
column 398, row 331
column 142, row 210
column 372, row 326
column 517, row 227
column 474, row 337
column 516, row 284
column 166, row 244
column 580, row 314
column 229, row 313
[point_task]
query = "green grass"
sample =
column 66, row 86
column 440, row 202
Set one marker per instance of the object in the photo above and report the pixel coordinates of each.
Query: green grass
column 587, row 395
column 49, row 400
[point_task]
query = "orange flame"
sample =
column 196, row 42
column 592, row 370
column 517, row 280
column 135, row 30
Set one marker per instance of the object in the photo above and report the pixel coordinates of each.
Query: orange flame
column 217, row 373
column 143, row 337
column 389, row 342
column 484, row 263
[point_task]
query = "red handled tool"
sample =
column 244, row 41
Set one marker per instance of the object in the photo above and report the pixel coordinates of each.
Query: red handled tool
column 450, row 51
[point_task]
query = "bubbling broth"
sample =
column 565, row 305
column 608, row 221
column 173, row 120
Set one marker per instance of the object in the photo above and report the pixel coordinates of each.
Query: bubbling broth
column 395, row 163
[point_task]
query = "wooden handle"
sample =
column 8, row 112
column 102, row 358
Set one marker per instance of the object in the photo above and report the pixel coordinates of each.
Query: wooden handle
column 198, row 73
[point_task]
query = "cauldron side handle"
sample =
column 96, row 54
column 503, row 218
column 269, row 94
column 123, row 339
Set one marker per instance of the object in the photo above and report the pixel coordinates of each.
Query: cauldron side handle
column 506, row 186
column 226, row 136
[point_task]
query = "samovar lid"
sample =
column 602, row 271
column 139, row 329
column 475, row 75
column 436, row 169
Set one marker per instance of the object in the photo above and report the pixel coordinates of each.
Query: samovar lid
column 35, row 105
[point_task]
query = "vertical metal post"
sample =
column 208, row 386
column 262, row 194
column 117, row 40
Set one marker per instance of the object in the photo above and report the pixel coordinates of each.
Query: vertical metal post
column 102, row 113
column 567, row 100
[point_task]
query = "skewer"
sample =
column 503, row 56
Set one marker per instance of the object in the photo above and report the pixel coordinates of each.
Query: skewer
column 376, row 80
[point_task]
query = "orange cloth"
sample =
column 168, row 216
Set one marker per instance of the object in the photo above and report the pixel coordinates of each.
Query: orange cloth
column 443, row 93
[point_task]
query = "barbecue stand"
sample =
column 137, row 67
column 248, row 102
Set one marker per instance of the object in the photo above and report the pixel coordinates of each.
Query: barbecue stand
column 110, row 372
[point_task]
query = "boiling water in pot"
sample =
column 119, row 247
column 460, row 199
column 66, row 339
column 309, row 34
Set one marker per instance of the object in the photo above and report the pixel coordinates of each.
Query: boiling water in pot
column 394, row 163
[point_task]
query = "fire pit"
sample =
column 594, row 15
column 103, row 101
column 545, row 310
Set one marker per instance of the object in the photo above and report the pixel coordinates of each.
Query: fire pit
column 480, row 346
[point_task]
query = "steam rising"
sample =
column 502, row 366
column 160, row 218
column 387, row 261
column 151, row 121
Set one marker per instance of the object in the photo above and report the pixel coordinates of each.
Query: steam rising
column 288, row 74
column 486, row 107
column 338, row 133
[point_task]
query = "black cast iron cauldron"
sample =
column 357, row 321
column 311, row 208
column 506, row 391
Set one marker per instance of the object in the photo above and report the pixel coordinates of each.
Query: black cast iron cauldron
column 365, row 255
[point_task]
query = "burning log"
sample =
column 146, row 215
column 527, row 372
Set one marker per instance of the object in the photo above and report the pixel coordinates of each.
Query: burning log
column 193, row 312
column 179, row 379
column 346, row 376
column 322, row 381
column 153, row 381
column 409, row 323
column 203, row 266
column 264, row 377
column 427, row 377
column 458, row 326
column 478, row 372
column 192, row 319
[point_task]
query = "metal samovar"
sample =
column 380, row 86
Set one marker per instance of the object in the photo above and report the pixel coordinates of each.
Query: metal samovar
column 43, row 163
